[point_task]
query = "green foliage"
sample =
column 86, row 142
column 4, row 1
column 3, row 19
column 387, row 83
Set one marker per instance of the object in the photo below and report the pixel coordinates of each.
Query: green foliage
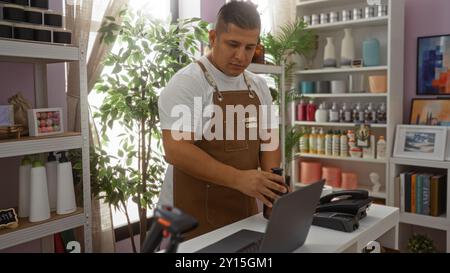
column 151, row 52
column 421, row 244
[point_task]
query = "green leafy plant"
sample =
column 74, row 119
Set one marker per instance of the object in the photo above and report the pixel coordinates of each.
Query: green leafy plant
column 421, row 244
column 151, row 52
column 293, row 38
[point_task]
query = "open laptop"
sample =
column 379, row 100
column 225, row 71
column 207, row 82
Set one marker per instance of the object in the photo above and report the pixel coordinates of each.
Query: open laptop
column 289, row 224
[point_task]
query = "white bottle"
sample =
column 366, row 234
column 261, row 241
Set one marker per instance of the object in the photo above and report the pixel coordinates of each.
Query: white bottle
column 329, row 55
column 24, row 187
column 336, row 143
column 39, row 205
column 65, row 190
column 50, row 167
column 369, row 152
column 347, row 48
column 381, row 148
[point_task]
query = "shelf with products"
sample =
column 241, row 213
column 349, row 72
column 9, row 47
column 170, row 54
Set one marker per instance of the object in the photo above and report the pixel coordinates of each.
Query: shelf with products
column 28, row 231
column 426, row 182
column 358, row 80
column 39, row 55
column 378, row 194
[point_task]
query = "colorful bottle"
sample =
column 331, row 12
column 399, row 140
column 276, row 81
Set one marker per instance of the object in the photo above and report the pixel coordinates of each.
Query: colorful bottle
column 313, row 141
column 321, row 142
column 311, row 111
column 301, row 111
column 304, row 142
column 336, row 143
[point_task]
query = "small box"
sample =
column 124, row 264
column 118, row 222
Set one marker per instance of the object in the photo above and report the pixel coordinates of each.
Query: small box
column 6, row 115
column 45, row 121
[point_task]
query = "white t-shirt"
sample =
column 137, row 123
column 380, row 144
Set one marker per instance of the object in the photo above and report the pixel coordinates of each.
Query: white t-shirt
column 189, row 83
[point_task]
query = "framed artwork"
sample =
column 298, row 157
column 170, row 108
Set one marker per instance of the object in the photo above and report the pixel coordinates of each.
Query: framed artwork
column 45, row 121
column 430, row 112
column 6, row 115
column 433, row 65
column 424, row 142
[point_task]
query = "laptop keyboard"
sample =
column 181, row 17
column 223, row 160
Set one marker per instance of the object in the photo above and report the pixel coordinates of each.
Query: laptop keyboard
column 252, row 248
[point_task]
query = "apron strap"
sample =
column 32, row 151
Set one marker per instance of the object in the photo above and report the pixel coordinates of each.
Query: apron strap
column 211, row 82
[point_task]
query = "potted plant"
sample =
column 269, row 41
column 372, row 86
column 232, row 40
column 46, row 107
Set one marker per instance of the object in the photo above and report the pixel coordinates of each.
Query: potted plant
column 151, row 52
column 421, row 244
column 293, row 38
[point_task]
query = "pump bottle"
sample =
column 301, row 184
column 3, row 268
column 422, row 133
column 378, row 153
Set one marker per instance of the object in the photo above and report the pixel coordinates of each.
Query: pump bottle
column 65, row 202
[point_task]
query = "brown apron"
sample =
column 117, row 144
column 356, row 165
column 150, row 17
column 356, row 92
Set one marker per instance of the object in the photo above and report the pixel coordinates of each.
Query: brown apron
column 212, row 205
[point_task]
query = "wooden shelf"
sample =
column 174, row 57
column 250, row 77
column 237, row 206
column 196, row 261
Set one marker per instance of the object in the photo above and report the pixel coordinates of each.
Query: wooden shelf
column 374, row 21
column 33, row 52
column 341, row 70
column 380, row 194
column 28, row 231
column 265, row 68
column 366, row 160
column 35, row 145
column 336, row 124
column 346, row 95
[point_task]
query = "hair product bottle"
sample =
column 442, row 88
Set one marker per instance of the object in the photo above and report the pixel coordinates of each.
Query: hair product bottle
column 65, row 190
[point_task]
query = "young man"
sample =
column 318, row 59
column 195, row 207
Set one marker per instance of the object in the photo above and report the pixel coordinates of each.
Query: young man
column 217, row 180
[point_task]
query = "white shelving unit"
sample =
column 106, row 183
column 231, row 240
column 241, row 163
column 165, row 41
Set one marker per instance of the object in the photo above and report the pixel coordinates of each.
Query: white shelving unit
column 442, row 222
column 389, row 31
column 40, row 55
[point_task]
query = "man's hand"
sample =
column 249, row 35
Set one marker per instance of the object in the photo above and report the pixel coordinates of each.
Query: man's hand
column 259, row 184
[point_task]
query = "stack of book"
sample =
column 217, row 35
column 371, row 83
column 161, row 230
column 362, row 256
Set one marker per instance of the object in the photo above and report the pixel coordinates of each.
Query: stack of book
column 423, row 193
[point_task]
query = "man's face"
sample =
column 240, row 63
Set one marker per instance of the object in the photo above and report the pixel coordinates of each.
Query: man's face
column 232, row 50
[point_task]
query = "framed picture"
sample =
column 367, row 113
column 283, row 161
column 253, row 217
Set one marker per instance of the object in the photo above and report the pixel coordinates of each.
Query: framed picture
column 6, row 115
column 424, row 142
column 430, row 112
column 45, row 121
column 433, row 65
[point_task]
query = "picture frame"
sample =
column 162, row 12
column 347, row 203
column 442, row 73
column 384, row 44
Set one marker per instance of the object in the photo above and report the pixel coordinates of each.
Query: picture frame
column 45, row 121
column 432, row 72
column 430, row 111
column 6, row 115
column 418, row 141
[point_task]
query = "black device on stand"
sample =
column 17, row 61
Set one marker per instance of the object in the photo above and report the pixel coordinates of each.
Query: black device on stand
column 168, row 221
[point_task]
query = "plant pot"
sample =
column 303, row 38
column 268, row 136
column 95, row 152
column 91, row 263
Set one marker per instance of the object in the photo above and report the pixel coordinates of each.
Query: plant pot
column 62, row 37
column 43, row 35
column 53, row 19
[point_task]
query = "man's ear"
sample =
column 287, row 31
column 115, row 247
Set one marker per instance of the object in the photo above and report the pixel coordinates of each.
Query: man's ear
column 212, row 37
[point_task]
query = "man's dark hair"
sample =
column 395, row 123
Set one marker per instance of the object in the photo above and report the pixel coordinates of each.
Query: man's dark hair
column 240, row 13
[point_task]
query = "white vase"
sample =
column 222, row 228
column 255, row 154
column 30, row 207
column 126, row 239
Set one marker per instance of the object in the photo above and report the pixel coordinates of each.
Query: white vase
column 329, row 55
column 347, row 48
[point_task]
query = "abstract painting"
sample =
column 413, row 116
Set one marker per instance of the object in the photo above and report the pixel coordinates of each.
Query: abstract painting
column 430, row 112
column 433, row 65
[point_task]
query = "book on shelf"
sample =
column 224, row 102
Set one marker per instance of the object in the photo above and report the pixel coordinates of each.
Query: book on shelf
column 413, row 193
column 426, row 194
column 438, row 194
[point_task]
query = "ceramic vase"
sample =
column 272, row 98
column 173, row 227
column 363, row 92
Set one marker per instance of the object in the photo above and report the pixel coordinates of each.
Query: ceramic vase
column 329, row 55
column 347, row 48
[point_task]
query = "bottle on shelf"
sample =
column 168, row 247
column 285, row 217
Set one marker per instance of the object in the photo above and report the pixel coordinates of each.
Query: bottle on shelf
column 381, row 113
column 50, row 168
column 24, row 187
column 304, row 142
column 329, row 143
column 334, row 113
column 369, row 152
column 39, row 204
column 358, row 113
column 322, row 113
column 321, row 142
column 346, row 113
column 313, row 141
column 370, row 115
column 65, row 190
column 381, row 148
column 311, row 111
column 343, row 144
column 336, row 144
column 301, row 110
column 267, row 211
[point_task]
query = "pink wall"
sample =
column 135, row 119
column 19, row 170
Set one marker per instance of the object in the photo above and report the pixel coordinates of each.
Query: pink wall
column 422, row 18
column 210, row 8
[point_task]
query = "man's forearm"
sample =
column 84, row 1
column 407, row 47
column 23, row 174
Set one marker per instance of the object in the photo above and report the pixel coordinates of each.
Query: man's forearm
column 197, row 163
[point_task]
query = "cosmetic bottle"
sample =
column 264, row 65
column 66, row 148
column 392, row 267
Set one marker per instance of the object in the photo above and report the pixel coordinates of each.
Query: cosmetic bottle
column 50, row 168
column 24, row 187
column 39, row 205
column 65, row 191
